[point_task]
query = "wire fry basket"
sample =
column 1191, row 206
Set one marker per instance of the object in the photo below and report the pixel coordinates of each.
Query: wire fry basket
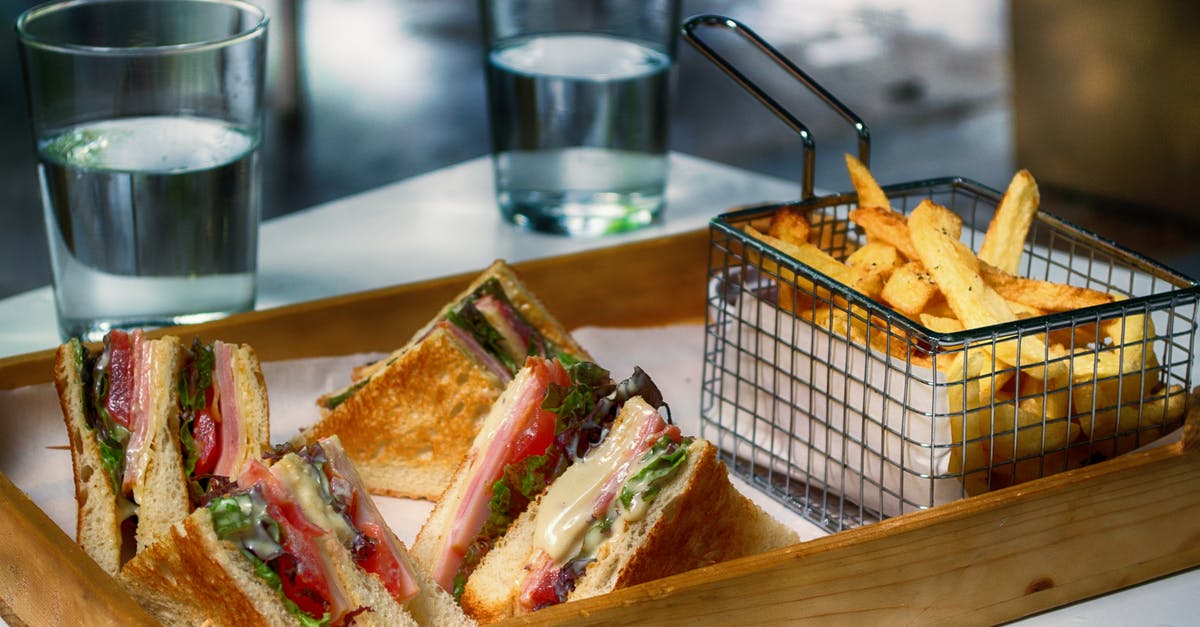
column 849, row 412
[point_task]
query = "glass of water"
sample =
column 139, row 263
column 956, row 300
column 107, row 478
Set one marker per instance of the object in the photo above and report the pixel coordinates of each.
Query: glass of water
column 578, row 101
column 147, row 121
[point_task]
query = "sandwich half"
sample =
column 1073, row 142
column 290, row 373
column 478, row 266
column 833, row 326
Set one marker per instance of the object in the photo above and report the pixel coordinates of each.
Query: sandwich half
column 296, row 542
column 645, row 504
column 408, row 420
column 548, row 417
column 122, row 406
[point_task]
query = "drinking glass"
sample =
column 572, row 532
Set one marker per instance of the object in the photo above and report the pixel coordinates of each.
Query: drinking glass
column 578, row 101
column 147, row 121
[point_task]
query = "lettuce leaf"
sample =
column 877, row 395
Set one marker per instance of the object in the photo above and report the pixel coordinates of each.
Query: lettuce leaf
column 242, row 519
column 112, row 437
column 338, row 399
column 262, row 569
column 660, row 462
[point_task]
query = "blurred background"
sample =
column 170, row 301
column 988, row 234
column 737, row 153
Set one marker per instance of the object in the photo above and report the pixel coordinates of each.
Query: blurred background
column 1098, row 99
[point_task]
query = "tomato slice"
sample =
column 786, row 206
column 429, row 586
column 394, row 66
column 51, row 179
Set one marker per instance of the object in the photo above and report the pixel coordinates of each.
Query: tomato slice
column 383, row 562
column 206, row 433
column 539, row 429
column 538, row 589
column 304, row 576
column 119, row 403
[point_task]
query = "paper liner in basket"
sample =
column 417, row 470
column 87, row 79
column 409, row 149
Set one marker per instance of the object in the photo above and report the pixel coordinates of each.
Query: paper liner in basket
column 841, row 417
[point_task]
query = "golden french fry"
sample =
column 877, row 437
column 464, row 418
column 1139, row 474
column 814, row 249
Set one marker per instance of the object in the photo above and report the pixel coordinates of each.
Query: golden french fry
column 1130, row 329
column 968, row 418
column 938, row 324
column 1136, row 416
column 884, row 225
column 973, row 302
column 1077, row 337
column 1042, row 295
column 822, row 262
column 1037, row 423
column 875, row 258
column 870, row 194
column 790, row 225
column 830, row 233
column 1005, row 239
column 909, row 289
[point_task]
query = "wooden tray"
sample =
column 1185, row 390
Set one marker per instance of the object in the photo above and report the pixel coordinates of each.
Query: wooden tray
column 986, row 559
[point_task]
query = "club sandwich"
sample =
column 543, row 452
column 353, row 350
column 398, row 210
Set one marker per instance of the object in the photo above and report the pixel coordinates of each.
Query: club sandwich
column 296, row 541
column 151, row 426
column 647, row 503
column 408, row 420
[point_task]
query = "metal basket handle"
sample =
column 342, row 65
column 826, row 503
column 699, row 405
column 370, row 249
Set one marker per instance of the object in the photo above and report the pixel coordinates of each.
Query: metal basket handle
column 864, row 135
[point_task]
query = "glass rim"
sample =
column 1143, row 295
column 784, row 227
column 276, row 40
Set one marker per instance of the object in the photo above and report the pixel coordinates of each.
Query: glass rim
column 258, row 29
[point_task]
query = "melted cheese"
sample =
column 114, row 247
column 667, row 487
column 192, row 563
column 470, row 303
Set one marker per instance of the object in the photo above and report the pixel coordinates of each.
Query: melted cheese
column 294, row 473
column 566, row 509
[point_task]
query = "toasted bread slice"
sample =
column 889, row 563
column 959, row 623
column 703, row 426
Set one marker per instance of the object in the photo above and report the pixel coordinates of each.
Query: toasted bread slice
column 191, row 577
column 97, row 521
column 254, row 428
column 408, row 420
column 159, row 489
column 411, row 425
column 698, row 518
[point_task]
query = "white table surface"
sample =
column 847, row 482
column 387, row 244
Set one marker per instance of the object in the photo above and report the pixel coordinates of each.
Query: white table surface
column 446, row 222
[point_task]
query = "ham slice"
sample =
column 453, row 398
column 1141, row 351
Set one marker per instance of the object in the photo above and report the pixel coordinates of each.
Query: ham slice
column 487, row 466
column 139, row 390
column 489, row 361
column 228, row 415
column 390, row 567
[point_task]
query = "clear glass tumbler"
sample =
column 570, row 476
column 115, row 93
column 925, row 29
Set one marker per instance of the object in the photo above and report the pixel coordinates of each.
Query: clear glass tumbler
column 578, row 95
column 147, row 121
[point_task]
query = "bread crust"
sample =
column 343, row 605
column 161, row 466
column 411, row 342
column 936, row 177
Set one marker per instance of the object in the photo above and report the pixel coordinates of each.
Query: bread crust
column 97, row 522
column 410, row 426
column 190, row 577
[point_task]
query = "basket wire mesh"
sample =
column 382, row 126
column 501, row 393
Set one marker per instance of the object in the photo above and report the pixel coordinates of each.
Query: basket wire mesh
column 849, row 412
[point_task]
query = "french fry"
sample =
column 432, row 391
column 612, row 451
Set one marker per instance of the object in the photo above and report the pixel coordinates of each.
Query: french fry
column 884, row 225
column 830, row 233
column 1036, row 422
column 967, row 416
column 822, row 262
column 870, row 194
column 938, row 324
column 1139, row 414
column 875, row 257
column 1042, row 295
column 973, row 302
column 1005, row 239
column 909, row 289
column 790, row 225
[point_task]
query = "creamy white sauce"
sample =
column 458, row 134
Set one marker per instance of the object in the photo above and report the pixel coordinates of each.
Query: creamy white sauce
column 291, row 471
column 565, row 514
